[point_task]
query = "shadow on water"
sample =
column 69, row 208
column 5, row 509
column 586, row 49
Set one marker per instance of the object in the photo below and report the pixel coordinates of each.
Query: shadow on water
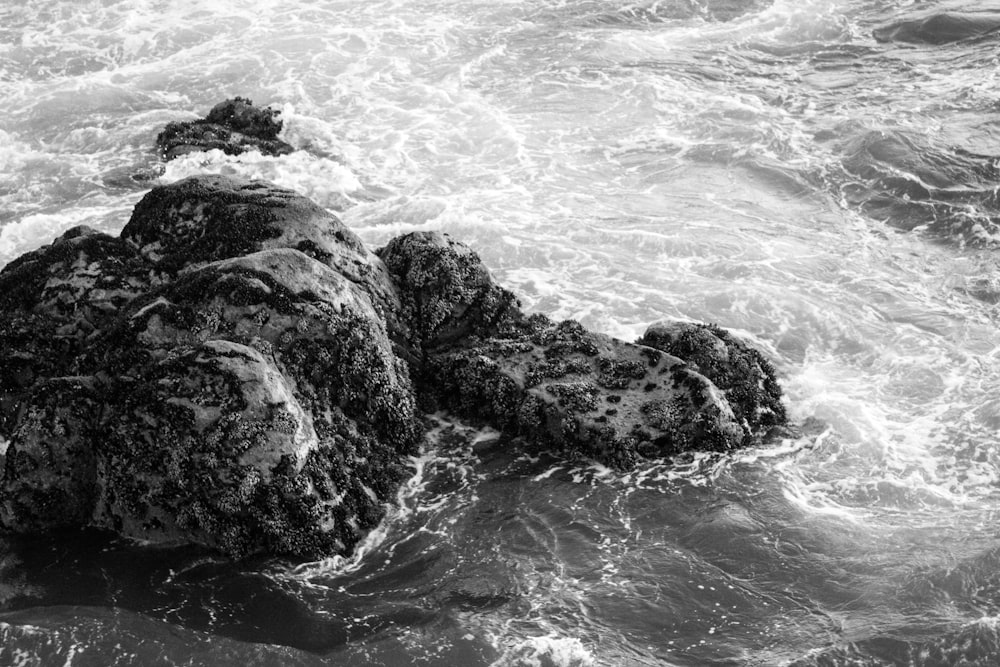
column 194, row 589
column 938, row 29
column 909, row 183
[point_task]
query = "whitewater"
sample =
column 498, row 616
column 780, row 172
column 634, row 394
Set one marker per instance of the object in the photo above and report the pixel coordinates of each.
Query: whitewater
column 820, row 177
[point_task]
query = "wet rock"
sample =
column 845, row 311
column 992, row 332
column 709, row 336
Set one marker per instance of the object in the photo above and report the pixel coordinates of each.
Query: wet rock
column 237, row 370
column 54, row 301
column 213, row 444
column 248, row 398
column 554, row 384
column 560, row 386
column 446, row 292
column 50, row 472
column 745, row 376
column 207, row 218
column 234, row 126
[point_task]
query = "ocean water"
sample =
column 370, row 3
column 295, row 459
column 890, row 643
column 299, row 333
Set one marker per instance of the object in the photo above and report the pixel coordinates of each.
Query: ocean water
column 820, row 176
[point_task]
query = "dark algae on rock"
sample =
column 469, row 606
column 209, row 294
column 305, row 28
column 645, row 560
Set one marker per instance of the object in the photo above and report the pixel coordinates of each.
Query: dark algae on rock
column 233, row 126
column 238, row 370
column 554, row 384
column 250, row 400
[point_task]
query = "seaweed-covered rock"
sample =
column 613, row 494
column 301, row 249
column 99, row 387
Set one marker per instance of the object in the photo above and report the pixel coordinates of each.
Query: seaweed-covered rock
column 745, row 376
column 54, row 301
column 206, row 218
column 233, row 379
column 553, row 384
column 238, row 370
column 446, row 292
column 272, row 356
column 563, row 386
column 233, row 126
column 50, row 472
column 212, row 444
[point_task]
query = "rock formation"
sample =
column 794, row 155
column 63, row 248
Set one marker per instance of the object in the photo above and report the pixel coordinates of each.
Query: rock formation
column 238, row 370
column 233, row 126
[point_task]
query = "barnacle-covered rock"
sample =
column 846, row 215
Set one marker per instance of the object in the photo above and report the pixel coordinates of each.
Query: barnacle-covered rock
column 233, row 379
column 206, row 218
column 50, row 476
column 554, row 384
column 53, row 302
column 238, row 370
column 233, row 126
column 745, row 376
column 446, row 292
column 560, row 385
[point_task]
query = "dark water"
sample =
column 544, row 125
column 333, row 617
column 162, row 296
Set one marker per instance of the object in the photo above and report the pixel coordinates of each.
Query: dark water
column 819, row 176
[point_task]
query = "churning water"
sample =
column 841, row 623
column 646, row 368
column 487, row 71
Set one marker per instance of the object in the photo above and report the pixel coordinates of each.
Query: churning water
column 818, row 175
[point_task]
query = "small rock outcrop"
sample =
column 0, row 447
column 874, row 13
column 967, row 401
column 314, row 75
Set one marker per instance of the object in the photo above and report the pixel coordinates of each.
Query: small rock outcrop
column 744, row 375
column 233, row 126
column 553, row 384
column 237, row 369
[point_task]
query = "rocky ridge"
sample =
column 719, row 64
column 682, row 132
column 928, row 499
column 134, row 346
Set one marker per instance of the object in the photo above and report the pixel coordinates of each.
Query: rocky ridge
column 236, row 369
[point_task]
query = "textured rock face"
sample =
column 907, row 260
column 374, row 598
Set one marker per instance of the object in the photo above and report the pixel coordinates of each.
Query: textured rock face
column 238, row 370
column 745, row 376
column 208, row 218
column 446, row 293
column 54, row 301
column 233, row 126
column 559, row 384
column 250, row 400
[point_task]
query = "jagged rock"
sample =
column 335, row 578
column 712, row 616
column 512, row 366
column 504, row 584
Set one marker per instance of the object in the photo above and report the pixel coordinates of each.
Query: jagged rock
column 745, row 376
column 233, row 126
column 554, row 384
column 250, row 399
column 239, row 371
column 54, row 301
column 446, row 292
column 206, row 218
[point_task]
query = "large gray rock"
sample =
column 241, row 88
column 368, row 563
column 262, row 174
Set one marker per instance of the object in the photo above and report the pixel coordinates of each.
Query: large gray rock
column 249, row 399
column 238, row 370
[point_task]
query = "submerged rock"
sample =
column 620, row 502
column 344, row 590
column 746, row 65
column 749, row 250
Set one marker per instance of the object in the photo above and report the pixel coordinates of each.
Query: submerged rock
column 233, row 126
column 238, row 370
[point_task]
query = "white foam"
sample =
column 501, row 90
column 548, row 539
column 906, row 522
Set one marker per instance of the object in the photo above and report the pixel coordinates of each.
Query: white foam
column 325, row 181
column 549, row 650
column 36, row 230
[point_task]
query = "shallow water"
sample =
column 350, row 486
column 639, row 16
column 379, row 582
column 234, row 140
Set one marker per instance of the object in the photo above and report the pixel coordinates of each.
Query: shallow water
column 819, row 176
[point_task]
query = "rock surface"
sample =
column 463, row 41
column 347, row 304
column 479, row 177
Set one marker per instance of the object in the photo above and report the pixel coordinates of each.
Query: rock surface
column 238, row 370
column 554, row 384
column 745, row 376
column 248, row 398
column 233, row 126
